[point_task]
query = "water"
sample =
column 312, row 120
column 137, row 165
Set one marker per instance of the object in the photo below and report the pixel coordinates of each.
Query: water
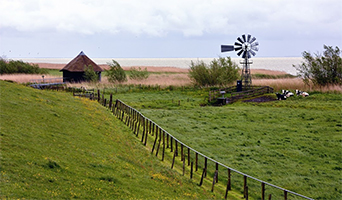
column 280, row 64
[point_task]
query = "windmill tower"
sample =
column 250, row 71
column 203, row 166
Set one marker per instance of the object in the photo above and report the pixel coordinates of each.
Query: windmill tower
column 246, row 48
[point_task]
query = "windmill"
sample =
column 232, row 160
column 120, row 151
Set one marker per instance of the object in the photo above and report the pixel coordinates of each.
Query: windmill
column 245, row 47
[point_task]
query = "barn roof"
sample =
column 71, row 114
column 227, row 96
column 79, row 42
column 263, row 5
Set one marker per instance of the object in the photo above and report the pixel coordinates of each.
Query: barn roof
column 78, row 63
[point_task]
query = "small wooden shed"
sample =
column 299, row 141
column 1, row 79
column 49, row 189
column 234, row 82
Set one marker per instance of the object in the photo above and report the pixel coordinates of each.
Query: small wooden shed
column 74, row 70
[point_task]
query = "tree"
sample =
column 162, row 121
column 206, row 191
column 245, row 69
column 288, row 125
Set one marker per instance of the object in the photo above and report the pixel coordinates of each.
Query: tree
column 90, row 74
column 323, row 69
column 138, row 74
column 116, row 73
column 222, row 71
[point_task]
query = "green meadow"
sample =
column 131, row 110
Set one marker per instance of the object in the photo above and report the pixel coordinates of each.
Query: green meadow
column 56, row 146
column 294, row 144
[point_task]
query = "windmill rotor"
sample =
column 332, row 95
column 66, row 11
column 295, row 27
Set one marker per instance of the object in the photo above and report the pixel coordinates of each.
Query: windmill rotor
column 245, row 46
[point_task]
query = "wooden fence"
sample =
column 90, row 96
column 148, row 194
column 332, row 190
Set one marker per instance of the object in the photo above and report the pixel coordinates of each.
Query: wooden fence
column 234, row 96
column 190, row 158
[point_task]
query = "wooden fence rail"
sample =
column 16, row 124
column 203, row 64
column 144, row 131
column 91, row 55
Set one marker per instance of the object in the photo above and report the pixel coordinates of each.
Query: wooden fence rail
column 234, row 96
column 143, row 127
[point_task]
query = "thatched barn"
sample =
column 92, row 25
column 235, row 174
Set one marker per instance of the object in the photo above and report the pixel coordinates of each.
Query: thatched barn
column 74, row 70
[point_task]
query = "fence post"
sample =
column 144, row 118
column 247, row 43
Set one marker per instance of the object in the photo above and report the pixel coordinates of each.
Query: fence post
column 262, row 191
column 144, row 132
column 217, row 172
column 196, row 162
column 188, row 156
column 229, row 186
column 285, row 195
column 173, row 159
column 192, row 169
column 214, row 180
column 245, row 186
column 110, row 101
column 176, row 147
column 154, row 144
column 183, row 167
column 158, row 142
column 202, row 177
column 182, row 155
column 205, row 166
column 98, row 96
column 145, row 142
column 163, row 145
column 167, row 141
column 171, row 138
column 153, row 125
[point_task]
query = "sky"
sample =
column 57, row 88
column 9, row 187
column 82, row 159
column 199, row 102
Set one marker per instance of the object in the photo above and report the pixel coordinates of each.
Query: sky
column 165, row 28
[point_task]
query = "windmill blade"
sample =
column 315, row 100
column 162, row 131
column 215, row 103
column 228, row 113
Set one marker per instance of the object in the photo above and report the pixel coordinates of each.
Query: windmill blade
column 225, row 48
column 237, row 48
column 244, row 37
column 238, row 44
column 255, row 44
column 253, row 39
column 240, row 52
column 248, row 54
column 248, row 38
column 240, row 40
column 244, row 54
column 252, row 52
column 255, row 48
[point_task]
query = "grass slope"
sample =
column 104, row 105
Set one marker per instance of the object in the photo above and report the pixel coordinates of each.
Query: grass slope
column 294, row 144
column 56, row 146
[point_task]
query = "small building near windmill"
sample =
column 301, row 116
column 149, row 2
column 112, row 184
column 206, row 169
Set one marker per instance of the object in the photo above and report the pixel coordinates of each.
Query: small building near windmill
column 74, row 70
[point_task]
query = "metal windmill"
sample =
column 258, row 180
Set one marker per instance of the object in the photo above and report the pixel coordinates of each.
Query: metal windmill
column 247, row 46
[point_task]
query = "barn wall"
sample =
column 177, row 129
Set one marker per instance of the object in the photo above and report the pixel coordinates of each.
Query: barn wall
column 75, row 76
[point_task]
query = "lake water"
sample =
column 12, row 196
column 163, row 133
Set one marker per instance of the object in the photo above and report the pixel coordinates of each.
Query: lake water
column 280, row 64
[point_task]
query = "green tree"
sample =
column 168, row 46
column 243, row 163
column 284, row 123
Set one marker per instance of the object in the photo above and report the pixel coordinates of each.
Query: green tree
column 221, row 71
column 90, row 74
column 323, row 69
column 115, row 73
column 138, row 74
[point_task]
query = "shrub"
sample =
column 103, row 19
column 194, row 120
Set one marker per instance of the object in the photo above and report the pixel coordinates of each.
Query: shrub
column 89, row 74
column 322, row 70
column 138, row 74
column 116, row 73
column 221, row 71
column 18, row 66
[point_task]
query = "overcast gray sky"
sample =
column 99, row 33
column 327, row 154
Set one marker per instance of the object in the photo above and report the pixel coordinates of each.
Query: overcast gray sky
column 165, row 29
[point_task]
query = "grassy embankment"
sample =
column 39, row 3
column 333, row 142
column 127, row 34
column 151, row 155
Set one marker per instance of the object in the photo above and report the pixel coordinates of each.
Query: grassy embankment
column 56, row 146
column 295, row 144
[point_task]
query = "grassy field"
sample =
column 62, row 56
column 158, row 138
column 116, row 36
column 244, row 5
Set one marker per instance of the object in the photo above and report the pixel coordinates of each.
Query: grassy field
column 294, row 144
column 56, row 146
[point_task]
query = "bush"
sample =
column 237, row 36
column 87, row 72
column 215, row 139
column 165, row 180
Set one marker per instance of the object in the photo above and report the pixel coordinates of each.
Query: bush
column 222, row 71
column 138, row 74
column 322, row 70
column 90, row 74
column 19, row 67
column 116, row 73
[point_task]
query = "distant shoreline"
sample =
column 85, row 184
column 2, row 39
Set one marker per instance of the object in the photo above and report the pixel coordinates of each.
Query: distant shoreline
column 272, row 63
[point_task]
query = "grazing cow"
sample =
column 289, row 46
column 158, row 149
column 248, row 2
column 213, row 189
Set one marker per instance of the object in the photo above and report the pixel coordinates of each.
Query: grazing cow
column 287, row 93
column 301, row 93
column 281, row 96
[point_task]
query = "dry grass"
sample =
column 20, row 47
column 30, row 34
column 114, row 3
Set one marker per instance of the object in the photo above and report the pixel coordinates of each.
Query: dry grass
column 26, row 78
column 295, row 83
column 178, row 77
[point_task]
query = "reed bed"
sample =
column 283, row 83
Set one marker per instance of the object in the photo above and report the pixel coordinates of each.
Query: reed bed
column 181, row 79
